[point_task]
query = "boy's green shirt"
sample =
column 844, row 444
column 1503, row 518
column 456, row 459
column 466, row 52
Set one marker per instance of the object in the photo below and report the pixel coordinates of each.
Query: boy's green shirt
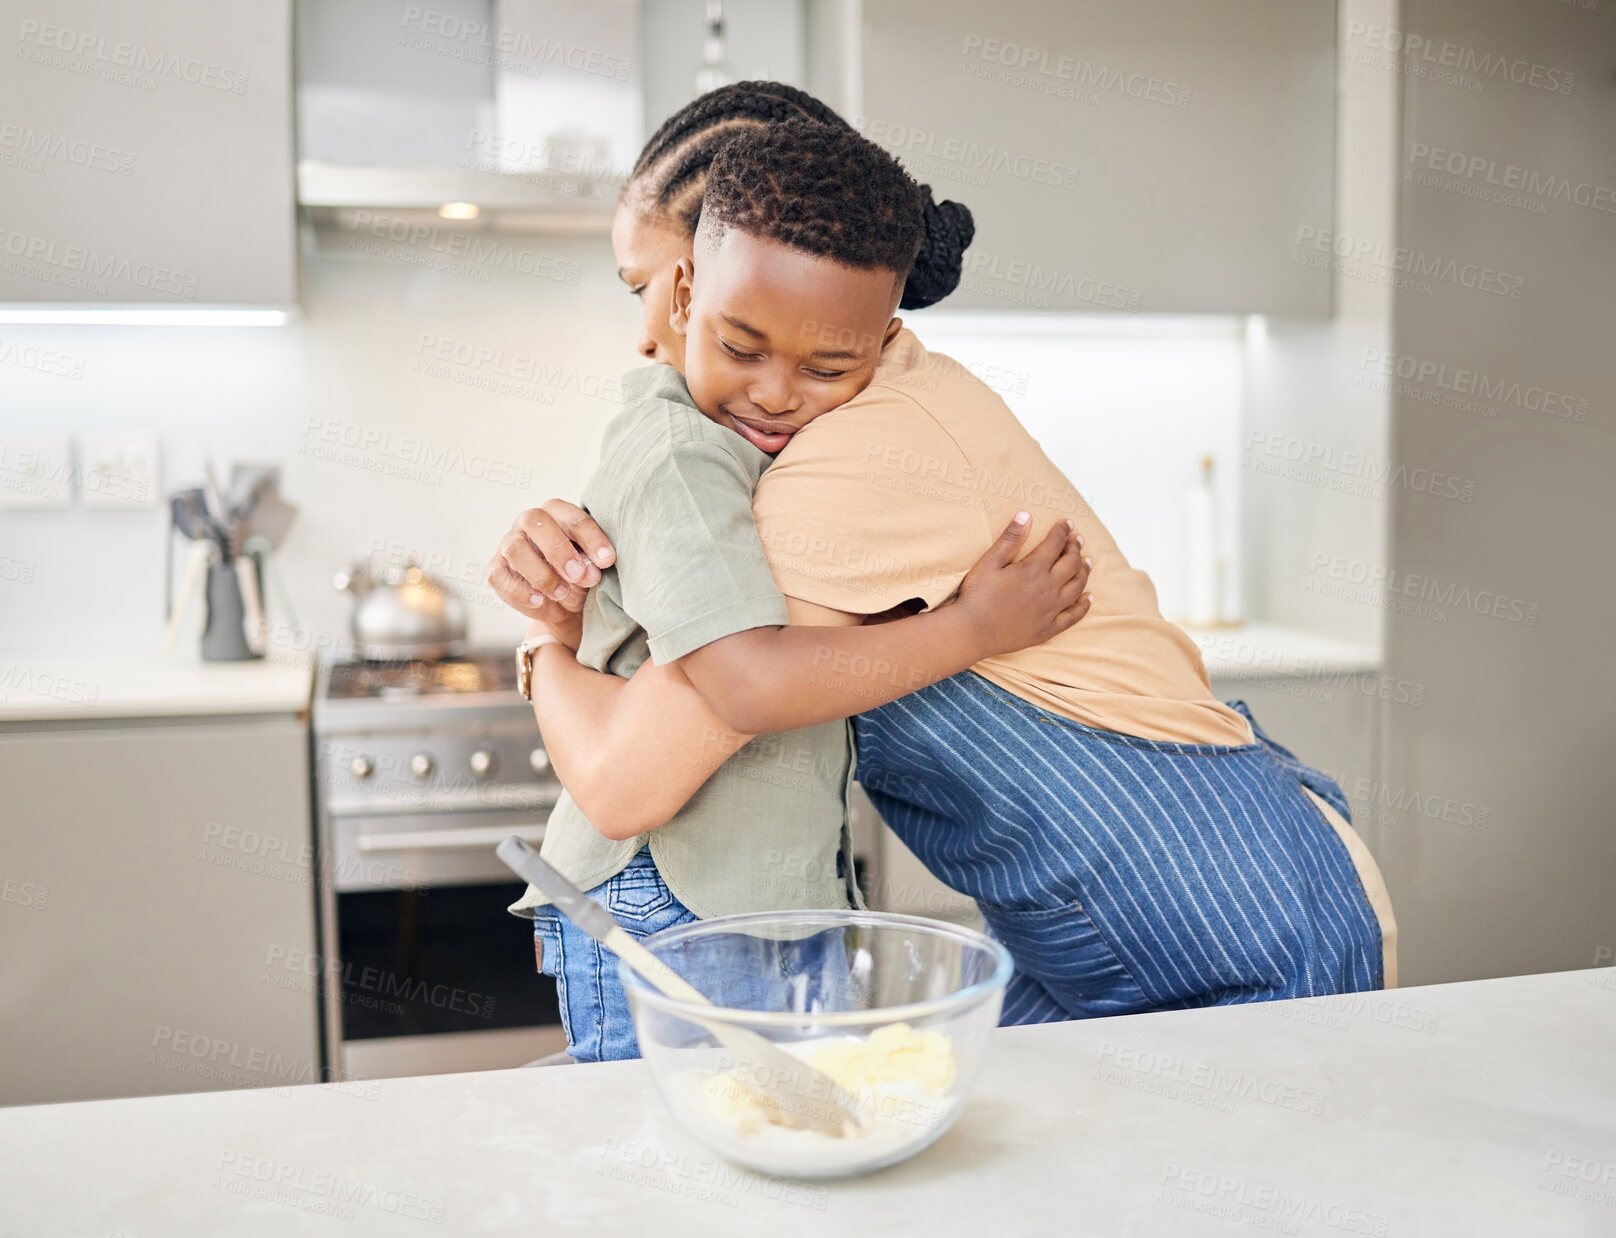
column 673, row 492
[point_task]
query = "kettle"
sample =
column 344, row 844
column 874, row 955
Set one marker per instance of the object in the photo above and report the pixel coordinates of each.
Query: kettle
column 403, row 613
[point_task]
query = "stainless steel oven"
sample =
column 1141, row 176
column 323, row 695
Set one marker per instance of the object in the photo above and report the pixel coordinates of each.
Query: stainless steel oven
column 421, row 767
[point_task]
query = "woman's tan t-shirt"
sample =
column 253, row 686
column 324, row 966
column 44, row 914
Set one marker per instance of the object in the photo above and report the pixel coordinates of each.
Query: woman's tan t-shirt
column 896, row 494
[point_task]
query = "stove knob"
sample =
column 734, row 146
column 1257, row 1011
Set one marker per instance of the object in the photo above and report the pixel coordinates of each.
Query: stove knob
column 539, row 759
column 361, row 767
column 483, row 762
column 421, row 765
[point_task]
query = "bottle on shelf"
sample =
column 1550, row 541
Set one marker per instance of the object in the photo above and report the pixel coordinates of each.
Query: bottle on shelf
column 1204, row 565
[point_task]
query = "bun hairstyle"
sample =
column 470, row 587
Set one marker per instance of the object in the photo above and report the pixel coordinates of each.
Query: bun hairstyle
column 670, row 176
column 948, row 231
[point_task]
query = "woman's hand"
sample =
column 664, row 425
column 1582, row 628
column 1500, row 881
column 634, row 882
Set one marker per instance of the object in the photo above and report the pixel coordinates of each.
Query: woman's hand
column 1018, row 604
column 548, row 561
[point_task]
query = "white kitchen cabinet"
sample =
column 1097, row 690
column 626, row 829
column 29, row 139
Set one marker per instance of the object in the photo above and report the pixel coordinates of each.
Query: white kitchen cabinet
column 1327, row 719
column 1157, row 155
column 157, row 907
column 146, row 154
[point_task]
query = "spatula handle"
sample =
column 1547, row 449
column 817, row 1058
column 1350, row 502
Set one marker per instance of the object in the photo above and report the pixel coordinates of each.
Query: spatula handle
column 594, row 919
column 569, row 900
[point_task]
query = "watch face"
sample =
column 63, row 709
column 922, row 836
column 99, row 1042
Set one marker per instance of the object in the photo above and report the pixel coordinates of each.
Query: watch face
column 524, row 670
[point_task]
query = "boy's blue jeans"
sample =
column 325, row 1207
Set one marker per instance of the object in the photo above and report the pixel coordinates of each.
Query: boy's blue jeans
column 594, row 1008
column 795, row 973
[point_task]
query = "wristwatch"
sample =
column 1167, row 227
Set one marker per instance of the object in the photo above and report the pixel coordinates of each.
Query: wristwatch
column 524, row 661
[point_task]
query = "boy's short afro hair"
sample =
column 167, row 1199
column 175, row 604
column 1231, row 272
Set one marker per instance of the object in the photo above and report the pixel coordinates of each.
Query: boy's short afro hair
column 819, row 188
column 671, row 175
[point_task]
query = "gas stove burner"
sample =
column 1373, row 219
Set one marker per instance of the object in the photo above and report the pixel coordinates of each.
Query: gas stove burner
column 480, row 672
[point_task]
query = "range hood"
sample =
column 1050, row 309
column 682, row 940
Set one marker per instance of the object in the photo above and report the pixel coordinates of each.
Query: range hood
column 523, row 115
column 539, row 202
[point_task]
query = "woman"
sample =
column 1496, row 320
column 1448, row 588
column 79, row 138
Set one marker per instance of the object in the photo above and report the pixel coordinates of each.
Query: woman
column 1137, row 844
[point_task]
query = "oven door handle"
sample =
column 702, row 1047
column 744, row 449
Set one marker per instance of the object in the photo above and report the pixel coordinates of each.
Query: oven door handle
column 505, row 799
column 450, row 839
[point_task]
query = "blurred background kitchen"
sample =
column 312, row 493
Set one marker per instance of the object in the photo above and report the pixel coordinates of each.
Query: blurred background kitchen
column 1312, row 300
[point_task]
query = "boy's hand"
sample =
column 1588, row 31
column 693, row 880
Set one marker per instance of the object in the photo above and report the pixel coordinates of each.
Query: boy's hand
column 1014, row 605
column 548, row 561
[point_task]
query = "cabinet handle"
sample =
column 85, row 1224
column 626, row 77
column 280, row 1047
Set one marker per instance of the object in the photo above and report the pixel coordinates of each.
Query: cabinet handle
column 448, row 840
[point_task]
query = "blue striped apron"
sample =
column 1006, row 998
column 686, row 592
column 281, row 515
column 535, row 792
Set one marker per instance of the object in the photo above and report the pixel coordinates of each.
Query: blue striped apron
column 1122, row 874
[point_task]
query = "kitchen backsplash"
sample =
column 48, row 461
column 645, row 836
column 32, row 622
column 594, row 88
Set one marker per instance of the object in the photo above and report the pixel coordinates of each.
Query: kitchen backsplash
column 425, row 396
column 1127, row 408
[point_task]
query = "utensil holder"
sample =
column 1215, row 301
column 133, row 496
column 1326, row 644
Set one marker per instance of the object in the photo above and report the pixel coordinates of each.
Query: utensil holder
column 224, row 637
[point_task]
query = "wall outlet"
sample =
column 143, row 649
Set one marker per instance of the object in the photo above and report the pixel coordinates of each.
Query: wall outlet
column 36, row 469
column 118, row 469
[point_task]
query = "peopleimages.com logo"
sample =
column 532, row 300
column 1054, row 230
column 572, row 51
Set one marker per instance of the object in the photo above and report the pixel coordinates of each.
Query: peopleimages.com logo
column 1025, row 63
column 37, row 145
column 91, row 53
column 62, row 262
column 912, row 143
column 511, row 49
column 1427, row 597
column 1510, row 179
column 1460, row 381
column 1366, row 257
column 1449, row 63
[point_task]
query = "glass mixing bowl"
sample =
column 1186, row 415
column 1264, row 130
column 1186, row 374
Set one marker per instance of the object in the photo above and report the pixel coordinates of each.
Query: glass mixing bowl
column 896, row 1009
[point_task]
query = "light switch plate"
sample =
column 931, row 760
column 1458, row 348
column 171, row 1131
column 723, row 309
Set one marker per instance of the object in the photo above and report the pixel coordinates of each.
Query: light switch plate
column 118, row 469
column 35, row 469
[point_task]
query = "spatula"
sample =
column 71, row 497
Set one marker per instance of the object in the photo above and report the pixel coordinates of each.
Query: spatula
column 807, row 1096
column 269, row 518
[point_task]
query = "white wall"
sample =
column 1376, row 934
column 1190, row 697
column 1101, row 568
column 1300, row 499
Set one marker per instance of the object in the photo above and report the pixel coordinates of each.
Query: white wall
column 1497, row 791
column 1126, row 409
column 1315, row 433
column 358, row 369
column 350, row 368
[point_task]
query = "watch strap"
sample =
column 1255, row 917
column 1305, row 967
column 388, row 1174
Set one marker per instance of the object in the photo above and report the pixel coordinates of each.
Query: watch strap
column 524, row 661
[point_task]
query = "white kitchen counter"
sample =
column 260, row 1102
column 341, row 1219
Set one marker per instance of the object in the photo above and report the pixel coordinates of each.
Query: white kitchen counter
column 1465, row 1109
column 1262, row 650
column 148, row 685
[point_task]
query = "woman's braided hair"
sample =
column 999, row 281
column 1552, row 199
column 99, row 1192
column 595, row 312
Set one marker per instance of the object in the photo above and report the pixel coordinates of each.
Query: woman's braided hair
column 670, row 176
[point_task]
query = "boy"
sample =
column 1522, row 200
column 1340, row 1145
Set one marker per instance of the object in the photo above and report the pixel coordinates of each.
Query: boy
column 767, row 829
